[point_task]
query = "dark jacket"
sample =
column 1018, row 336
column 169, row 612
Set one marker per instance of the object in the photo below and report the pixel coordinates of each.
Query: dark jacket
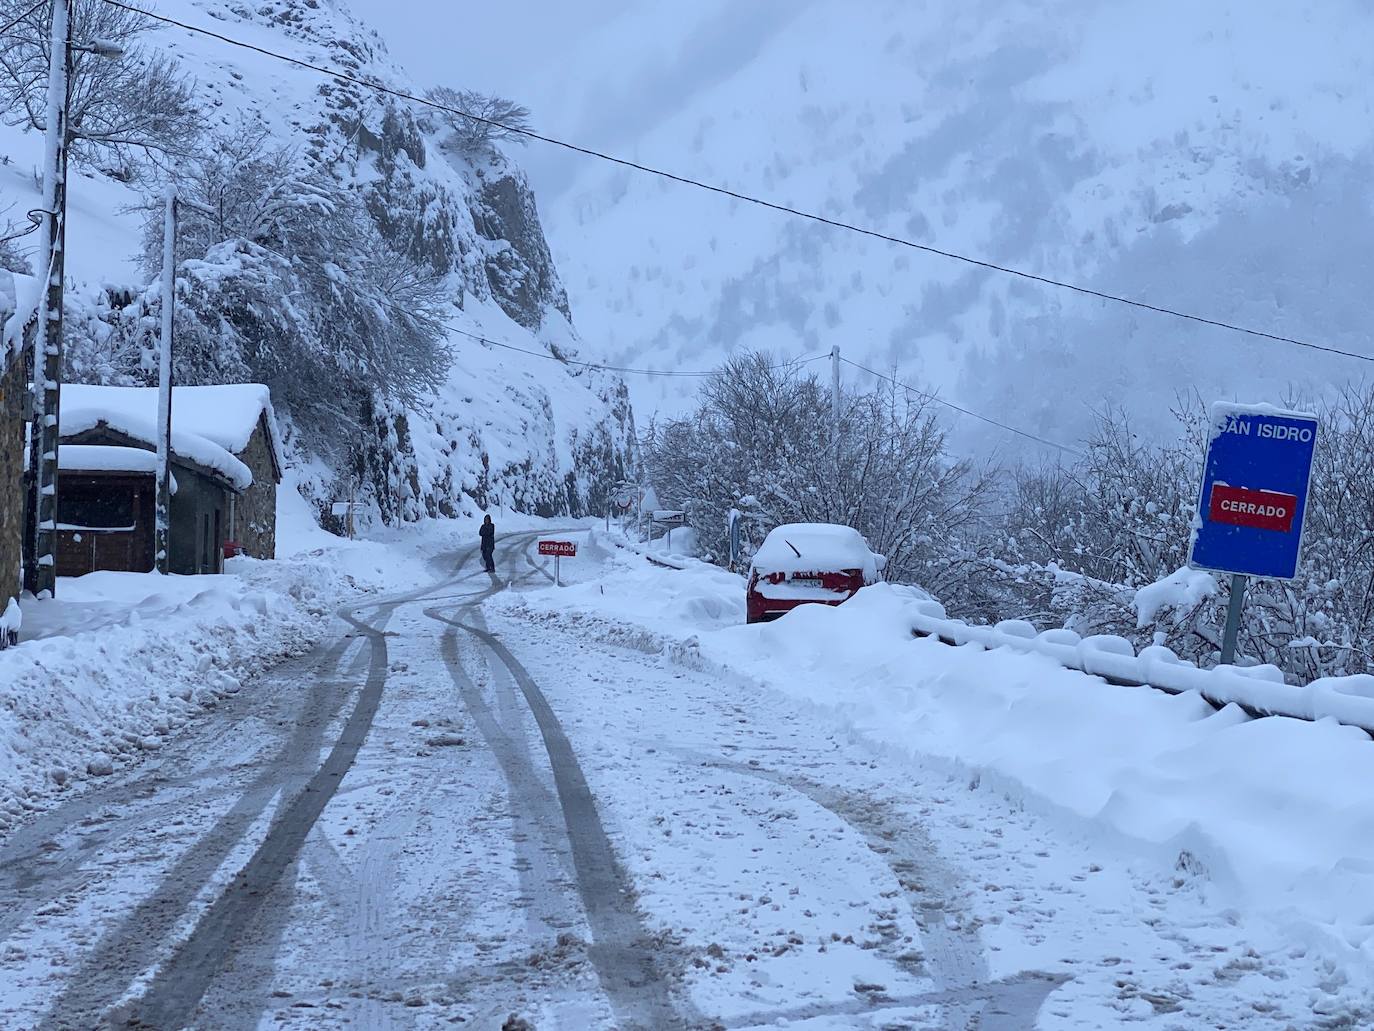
column 488, row 535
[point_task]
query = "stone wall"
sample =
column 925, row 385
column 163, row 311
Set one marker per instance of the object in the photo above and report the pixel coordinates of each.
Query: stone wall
column 12, row 406
column 255, row 510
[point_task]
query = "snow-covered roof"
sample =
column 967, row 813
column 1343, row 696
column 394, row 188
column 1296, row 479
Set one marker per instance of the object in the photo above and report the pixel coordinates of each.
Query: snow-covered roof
column 18, row 302
column 132, row 411
column 811, row 547
column 108, row 458
column 100, row 458
column 225, row 414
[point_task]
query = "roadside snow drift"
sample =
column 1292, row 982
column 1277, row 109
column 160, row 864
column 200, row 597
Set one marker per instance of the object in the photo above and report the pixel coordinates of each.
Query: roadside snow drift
column 1277, row 811
column 121, row 660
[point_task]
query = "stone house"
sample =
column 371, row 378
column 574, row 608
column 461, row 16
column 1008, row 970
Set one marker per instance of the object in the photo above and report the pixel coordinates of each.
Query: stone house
column 13, row 417
column 226, row 464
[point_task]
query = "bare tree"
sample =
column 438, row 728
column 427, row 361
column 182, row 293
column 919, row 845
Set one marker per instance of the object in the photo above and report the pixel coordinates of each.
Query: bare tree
column 286, row 278
column 10, row 232
column 484, row 120
column 138, row 106
column 761, row 440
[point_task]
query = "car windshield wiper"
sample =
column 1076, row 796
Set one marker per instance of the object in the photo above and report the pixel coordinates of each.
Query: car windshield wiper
column 792, row 546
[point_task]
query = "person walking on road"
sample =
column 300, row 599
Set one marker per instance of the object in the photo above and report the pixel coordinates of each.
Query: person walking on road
column 488, row 535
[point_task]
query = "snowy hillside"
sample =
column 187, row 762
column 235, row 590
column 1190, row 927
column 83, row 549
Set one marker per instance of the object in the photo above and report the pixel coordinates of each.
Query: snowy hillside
column 503, row 428
column 1210, row 157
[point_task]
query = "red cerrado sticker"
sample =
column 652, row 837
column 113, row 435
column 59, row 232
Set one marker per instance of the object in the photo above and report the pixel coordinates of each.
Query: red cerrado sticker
column 1258, row 509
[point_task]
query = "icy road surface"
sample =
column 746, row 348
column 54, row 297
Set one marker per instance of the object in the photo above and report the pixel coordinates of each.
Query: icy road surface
column 454, row 813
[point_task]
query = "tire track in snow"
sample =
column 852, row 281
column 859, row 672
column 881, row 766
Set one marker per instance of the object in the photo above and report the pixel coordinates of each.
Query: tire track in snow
column 180, row 983
column 953, row 950
column 622, row 951
column 130, row 948
column 35, row 867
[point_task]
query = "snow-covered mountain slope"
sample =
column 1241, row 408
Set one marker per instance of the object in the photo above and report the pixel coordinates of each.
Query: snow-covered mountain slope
column 520, row 430
column 1211, row 157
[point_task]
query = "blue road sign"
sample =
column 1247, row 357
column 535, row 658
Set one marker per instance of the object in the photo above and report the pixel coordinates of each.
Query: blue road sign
column 1254, row 491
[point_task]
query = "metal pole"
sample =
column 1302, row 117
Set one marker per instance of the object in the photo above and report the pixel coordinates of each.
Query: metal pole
column 162, row 546
column 40, row 573
column 1233, row 612
column 835, row 412
column 557, row 571
column 835, row 398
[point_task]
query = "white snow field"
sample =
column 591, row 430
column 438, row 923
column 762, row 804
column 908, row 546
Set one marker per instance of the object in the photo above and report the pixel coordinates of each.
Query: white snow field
column 612, row 805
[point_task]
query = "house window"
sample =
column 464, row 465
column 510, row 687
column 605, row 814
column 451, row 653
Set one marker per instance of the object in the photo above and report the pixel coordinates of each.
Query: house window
column 95, row 508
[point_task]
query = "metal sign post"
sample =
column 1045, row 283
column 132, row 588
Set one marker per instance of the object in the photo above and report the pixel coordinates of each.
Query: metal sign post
column 558, row 549
column 668, row 518
column 1233, row 611
column 1253, row 499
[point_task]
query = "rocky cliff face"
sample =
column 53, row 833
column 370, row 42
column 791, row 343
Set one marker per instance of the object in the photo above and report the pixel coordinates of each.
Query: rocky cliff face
column 512, row 423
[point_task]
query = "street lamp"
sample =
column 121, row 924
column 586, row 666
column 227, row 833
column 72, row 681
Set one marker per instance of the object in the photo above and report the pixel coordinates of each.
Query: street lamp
column 40, row 567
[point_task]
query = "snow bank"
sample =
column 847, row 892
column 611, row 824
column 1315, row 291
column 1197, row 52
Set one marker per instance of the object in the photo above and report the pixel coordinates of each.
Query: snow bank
column 1277, row 811
column 648, row 595
column 1259, row 689
column 18, row 301
column 126, row 658
column 1181, row 589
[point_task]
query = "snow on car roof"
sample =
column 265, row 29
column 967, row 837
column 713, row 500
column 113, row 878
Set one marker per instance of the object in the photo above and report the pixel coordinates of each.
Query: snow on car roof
column 795, row 547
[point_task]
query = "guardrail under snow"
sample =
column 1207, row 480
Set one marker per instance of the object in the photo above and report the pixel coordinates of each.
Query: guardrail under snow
column 1259, row 690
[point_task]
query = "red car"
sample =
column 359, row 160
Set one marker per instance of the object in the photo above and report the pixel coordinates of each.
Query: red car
column 801, row 563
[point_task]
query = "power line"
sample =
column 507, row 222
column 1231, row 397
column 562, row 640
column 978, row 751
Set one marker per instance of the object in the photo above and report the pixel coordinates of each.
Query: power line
column 725, row 191
column 975, row 415
column 451, row 328
column 586, row 365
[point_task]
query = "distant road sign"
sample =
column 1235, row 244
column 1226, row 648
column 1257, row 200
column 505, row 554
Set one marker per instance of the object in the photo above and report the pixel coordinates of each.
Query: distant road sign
column 1254, row 491
column 560, row 549
column 664, row 517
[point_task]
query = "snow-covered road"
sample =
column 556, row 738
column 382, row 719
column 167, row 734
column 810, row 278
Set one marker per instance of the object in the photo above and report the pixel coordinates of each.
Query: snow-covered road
column 462, row 807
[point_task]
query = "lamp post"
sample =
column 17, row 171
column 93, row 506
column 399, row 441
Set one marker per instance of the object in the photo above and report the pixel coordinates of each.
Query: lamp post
column 40, row 565
column 40, row 571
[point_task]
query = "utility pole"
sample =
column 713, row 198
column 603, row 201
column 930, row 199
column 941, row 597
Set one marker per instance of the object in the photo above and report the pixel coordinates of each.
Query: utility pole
column 40, row 569
column 162, row 545
column 835, row 397
column 835, row 410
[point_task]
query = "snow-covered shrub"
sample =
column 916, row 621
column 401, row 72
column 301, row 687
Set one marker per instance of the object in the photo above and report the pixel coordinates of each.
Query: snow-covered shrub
column 1082, row 540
